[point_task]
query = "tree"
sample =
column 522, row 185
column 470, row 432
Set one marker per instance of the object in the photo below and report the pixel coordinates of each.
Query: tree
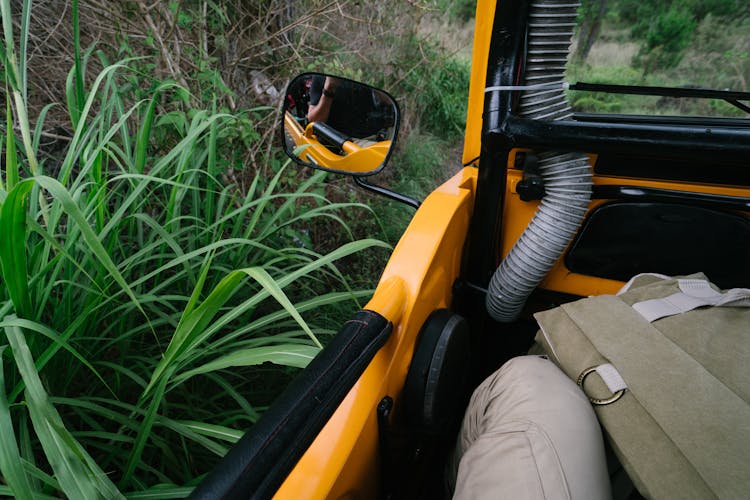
column 591, row 15
column 667, row 38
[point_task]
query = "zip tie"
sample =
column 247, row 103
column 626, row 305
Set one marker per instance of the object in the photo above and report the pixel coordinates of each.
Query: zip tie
column 538, row 86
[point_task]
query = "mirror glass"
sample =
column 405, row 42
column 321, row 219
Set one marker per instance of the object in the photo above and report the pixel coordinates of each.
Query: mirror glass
column 337, row 124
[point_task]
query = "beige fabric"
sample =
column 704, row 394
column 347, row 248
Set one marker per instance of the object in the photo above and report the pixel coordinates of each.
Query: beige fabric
column 530, row 433
column 682, row 430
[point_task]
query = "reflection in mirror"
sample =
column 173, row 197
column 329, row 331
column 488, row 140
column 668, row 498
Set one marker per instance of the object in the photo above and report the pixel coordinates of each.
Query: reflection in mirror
column 338, row 125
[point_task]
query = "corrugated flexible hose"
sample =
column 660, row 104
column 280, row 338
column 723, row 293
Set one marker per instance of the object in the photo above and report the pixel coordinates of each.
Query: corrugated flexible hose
column 566, row 176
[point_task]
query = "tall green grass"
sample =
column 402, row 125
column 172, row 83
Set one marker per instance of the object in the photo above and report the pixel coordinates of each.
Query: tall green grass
column 144, row 302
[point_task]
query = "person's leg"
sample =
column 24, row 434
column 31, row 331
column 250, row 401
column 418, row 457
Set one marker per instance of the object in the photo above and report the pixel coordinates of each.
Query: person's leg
column 530, row 433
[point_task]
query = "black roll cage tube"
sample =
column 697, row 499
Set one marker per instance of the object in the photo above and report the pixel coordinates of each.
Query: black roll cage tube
column 657, row 140
column 481, row 252
column 503, row 68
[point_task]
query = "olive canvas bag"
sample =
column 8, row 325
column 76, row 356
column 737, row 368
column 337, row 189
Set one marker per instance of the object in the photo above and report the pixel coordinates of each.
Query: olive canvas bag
column 666, row 363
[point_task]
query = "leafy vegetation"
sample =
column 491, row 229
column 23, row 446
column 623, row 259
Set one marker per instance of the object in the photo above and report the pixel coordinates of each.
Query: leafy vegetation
column 442, row 86
column 675, row 43
column 460, row 10
column 150, row 308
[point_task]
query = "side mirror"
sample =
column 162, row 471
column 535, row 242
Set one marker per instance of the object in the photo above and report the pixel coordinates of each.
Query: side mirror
column 339, row 125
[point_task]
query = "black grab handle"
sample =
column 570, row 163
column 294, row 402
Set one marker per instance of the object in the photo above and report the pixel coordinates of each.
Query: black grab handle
column 330, row 134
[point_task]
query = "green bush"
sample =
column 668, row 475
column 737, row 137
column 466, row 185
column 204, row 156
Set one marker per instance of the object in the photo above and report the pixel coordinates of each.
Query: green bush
column 666, row 39
column 438, row 88
column 702, row 8
column 460, row 10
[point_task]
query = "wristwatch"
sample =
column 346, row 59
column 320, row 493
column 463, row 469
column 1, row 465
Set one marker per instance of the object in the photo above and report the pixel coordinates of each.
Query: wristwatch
column 329, row 93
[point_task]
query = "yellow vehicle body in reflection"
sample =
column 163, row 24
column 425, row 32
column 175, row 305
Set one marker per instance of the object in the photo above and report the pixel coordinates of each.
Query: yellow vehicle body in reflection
column 355, row 159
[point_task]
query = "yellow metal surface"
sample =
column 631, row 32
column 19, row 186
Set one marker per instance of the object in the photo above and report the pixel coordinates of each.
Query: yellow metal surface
column 482, row 33
column 343, row 459
column 357, row 159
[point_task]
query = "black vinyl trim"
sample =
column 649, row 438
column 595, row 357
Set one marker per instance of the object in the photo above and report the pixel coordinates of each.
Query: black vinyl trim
column 257, row 465
column 637, row 193
column 623, row 238
column 722, row 169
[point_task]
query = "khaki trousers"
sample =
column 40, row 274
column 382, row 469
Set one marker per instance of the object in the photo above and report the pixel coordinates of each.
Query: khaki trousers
column 529, row 433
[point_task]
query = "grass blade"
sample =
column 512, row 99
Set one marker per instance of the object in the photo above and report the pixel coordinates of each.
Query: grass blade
column 39, row 128
column 10, row 457
column 195, row 322
column 8, row 47
column 162, row 492
column 13, row 248
column 144, row 132
column 214, row 431
column 144, row 432
column 22, row 48
column 273, row 318
column 271, row 286
column 78, row 474
column 77, row 64
column 194, row 330
column 296, row 355
column 198, row 288
column 70, row 207
column 58, row 342
column 325, row 260
column 11, row 155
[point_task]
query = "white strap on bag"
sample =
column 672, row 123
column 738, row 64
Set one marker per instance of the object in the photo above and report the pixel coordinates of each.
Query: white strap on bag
column 694, row 293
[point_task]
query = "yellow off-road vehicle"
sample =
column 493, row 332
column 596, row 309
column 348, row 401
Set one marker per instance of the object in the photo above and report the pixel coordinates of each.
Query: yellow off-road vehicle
column 551, row 206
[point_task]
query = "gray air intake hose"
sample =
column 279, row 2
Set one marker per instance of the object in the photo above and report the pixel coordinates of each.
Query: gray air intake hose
column 566, row 176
